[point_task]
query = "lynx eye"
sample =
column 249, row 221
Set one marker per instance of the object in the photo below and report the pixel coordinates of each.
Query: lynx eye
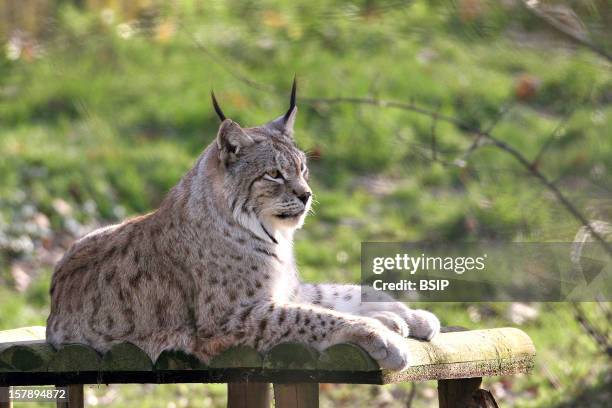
column 274, row 175
column 304, row 171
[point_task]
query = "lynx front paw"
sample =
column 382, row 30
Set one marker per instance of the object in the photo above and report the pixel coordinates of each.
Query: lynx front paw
column 387, row 348
column 423, row 324
column 393, row 321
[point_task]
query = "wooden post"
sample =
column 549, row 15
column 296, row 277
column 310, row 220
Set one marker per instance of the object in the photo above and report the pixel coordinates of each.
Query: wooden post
column 248, row 394
column 4, row 398
column 484, row 399
column 76, row 397
column 303, row 395
column 457, row 393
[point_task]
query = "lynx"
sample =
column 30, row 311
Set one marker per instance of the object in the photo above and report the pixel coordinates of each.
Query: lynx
column 213, row 266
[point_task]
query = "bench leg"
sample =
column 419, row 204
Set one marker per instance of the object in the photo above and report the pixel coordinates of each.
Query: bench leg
column 484, row 399
column 304, row 395
column 4, row 398
column 248, row 394
column 76, row 398
column 457, row 393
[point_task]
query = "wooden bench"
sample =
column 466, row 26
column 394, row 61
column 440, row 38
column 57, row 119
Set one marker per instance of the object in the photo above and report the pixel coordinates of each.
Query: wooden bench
column 458, row 360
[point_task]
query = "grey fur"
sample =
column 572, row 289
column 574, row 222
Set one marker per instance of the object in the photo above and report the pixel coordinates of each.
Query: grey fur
column 214, row 266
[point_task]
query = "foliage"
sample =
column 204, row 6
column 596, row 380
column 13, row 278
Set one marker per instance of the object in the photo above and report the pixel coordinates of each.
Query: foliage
column 109, row 111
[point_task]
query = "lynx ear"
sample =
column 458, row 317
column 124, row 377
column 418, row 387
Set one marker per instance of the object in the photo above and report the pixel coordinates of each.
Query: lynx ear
column 289, row 117
column 230, row 140
column 290, row 120
column 285, row 123
column 216, row 106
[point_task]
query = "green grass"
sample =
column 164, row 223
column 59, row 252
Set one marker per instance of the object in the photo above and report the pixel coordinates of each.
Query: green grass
column 109, row 124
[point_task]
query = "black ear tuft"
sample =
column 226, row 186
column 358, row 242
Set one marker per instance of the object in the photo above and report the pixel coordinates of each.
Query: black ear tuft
column 216, row 106
column 292, row 100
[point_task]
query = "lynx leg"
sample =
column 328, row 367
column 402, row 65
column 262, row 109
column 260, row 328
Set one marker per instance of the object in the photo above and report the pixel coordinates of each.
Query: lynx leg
column 264, row 324
column 394, row 314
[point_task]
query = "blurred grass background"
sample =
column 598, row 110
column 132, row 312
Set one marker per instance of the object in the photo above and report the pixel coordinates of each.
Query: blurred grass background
column 104, row 105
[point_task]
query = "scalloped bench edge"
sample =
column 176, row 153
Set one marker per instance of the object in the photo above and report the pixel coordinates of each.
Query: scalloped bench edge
column 26, row 359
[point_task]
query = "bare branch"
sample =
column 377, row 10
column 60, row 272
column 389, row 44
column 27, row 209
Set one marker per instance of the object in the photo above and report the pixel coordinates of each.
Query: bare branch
column 432, row 131
column 551, row 138
column 425, row 153
column 228, row 66
column 382, row 103
column 477, row 142
column 600, row 337
column 502, row 114
column 553, row 188
column 568, row 33
column 413, row 107
column 518, row 156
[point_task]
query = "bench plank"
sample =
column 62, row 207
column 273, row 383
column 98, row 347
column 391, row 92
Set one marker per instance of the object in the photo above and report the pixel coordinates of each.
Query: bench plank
column 22, row 334
column 26, row 356
column 466, row 354
column 291, row 355
column 126, row 357
column 346, row 357
column 24, row 349
column 75, row 358
column 177, row 360
column 238, row 357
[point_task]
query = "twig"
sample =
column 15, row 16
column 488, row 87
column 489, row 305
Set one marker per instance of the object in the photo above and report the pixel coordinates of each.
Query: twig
column 412, row 107
column 227, row 66
column 560, row 28
column 551, row 377
column 536, row 161
column 425, row 153
column 518, row 156
column 476, row 143
column 382, row 103
column 502, row 113
column 600, row 338
column 606, row 310
column 432, row 131
column 553, row 188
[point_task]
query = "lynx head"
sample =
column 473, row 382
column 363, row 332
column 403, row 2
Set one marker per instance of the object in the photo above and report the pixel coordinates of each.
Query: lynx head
column 265, row 174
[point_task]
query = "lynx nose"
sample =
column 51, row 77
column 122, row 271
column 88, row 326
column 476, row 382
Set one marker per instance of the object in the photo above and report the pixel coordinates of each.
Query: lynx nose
column 304, row 197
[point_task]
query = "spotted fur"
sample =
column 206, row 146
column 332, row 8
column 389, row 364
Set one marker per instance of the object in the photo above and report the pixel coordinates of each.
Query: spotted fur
column 214, row 267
